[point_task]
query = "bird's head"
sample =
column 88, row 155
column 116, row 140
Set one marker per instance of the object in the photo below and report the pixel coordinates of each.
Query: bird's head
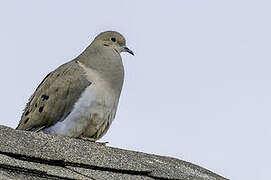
column 114, row 40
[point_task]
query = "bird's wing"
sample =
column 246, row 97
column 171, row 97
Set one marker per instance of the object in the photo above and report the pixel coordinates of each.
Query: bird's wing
column 54, row 98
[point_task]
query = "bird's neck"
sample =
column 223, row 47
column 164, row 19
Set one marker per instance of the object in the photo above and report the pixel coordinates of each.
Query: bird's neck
column 106, row 62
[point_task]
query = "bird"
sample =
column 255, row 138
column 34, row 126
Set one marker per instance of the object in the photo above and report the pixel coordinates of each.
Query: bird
column 80, row 98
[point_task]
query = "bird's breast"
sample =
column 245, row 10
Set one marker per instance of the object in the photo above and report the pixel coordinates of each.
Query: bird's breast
column 100, row 92
column 98, row 100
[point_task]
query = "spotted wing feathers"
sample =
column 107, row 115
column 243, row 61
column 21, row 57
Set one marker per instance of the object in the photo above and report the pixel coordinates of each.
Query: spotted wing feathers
column 54, row 98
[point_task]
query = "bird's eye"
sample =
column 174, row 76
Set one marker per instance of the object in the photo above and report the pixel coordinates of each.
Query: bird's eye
column 113, row 39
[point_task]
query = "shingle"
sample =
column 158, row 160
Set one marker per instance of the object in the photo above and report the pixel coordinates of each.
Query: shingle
column 31, row 154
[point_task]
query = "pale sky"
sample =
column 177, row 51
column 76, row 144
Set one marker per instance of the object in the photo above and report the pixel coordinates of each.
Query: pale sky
column 198, row 88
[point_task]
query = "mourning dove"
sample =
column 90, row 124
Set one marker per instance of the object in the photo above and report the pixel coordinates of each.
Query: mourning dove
column 80, row 98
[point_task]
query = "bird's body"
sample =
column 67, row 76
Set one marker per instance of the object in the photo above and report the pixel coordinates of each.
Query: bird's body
column 80, row 98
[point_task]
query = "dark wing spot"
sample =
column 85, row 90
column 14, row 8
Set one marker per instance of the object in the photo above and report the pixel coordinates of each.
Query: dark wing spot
column 56, row 89
column 26, row 113
column 106, row 45
column 26, row 120
column 36, row 105
column 44, row 97
column 41, row 109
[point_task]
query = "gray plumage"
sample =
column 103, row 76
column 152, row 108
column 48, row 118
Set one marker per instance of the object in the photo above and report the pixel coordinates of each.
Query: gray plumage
column 80, row 98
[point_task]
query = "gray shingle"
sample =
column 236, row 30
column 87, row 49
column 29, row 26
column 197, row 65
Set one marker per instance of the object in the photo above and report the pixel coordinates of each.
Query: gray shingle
column 29, row 155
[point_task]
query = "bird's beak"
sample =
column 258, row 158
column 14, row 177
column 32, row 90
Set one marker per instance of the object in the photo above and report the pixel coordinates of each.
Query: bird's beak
column 126, row 49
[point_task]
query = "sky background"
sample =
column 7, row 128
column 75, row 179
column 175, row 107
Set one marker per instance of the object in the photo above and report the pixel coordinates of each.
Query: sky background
column 198, row 88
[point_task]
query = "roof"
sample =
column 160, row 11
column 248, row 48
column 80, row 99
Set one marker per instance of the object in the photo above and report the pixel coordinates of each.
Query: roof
column 30, row 155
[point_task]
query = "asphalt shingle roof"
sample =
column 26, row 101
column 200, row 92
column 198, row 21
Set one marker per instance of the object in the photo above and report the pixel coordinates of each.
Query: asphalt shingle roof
column 30, row 155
